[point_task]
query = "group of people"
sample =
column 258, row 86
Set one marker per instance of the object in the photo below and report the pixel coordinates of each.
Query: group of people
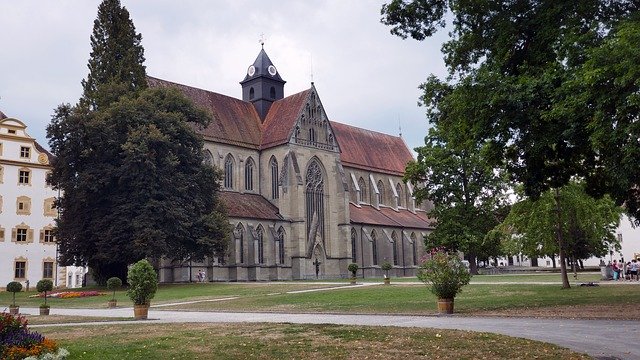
column 201, row 276
column 628, row 271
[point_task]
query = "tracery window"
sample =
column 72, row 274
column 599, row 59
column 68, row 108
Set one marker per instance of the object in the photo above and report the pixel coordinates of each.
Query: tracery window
column 400, row 195
column 239, row 235
column 363, row 190
column 394, row 247
column 248, row 174
column 414, row 248
column 274, row 178
column 381, row 194
column 207, row 158
column 374, row 247
column 354, row 237
column 314, row 201
column 260, row 245
column 280, row 246
column 228, row 172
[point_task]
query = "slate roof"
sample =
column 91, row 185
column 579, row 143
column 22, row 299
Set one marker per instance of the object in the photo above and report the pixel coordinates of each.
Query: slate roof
column 2, row 115
column 251, row 206
column 370, row 150
column 235, row 122
column 44, row 151
column 367, row 214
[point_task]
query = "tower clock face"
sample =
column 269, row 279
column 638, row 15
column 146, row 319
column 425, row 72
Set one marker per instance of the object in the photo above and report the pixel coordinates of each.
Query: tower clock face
column 272, row 70
column 251, row 70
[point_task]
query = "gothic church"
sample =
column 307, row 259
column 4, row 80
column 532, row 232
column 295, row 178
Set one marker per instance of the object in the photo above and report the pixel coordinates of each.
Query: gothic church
column 305, row 196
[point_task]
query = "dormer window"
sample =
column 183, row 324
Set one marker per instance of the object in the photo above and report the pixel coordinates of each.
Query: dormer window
column 12, row 131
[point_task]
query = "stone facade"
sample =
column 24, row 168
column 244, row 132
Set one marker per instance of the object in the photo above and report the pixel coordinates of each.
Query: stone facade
column 306, row 196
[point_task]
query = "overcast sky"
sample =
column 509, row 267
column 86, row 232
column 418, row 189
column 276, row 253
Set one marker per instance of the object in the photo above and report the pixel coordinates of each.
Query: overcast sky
column 365, row 76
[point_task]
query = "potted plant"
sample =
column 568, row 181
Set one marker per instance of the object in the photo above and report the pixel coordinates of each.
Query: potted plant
column 113, row 283
column 14, row 287
column 445, row 275
column 44, row 285
column 353, row 268
column 386, row 266
column 143, row 284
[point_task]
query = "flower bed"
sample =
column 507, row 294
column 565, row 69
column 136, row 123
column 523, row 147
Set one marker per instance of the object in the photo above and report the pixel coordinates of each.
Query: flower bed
column 17, row 342
column 70, row 294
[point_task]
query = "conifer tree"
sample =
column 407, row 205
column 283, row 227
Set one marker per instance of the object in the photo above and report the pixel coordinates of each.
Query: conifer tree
column 130, row 165
column 117, row 56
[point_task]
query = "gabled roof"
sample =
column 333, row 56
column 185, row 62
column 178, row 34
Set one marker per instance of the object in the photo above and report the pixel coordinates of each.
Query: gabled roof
column 2, row 115
column 367, row 214
column 234, row 122
column 281, row 119
column 370, row 150
column 250, row 206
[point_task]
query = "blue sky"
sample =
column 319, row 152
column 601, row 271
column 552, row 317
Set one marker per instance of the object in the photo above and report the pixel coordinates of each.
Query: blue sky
column 365, row 76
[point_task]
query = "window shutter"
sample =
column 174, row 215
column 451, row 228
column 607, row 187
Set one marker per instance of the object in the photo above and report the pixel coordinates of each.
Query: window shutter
column 14, row 235
column 30, row 235
column 1, row 234
column 41, row 236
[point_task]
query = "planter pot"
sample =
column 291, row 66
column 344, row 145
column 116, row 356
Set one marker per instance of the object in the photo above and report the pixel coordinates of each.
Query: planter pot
column 14, row 310
column 113, row 304
column 445, row 306
column 140, row 312
column 44, row 310
column 387, row 281
column 353, row 281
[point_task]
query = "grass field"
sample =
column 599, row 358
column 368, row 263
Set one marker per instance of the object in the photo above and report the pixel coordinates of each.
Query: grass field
column 292, row 341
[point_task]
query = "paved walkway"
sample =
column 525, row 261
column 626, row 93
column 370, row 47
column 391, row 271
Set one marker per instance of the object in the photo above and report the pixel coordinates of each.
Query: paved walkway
column 602, row 339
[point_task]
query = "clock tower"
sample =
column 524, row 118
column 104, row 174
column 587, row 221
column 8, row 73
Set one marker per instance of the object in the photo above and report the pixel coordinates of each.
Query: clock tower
column 262, row 85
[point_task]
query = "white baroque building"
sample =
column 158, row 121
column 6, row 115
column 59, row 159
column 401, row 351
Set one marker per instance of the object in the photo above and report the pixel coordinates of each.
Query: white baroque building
column 27, row 212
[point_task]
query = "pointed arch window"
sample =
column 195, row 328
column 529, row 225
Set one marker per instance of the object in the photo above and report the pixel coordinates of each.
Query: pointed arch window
column 248, row 174
column 273, row 163
column 260, row 245
column 394, row 247
column 314, row 201
column 354, row 237
column 252, row 93
column 207, row 158
column 363, row 190
column 312, row 135
column 239, row 235
column 228, row 172
column 374, row 247
column 400, row 195
column 414, row 248
column 381, row 194
column 280, row 246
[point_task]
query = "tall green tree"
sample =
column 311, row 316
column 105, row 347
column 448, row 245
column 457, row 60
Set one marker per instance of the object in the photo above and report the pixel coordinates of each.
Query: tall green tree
column 130, row 165
column 526, row 70
column 117, row 56
column 468, row 194
column 587, row 225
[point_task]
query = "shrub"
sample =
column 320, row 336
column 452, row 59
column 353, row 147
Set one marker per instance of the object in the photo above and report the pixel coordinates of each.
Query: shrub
column 113, row 284
column 445, row 274
column 14, row 287
column 386, row 266
column 44, row 285
column 143, row 282
column 353, row 268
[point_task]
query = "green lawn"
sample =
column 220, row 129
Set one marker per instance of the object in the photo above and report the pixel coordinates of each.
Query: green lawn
column 292, row 341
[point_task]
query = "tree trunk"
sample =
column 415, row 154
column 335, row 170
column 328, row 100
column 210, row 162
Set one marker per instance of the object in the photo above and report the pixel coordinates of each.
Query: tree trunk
column 560, row 239
column 553, row 260
column 473, row 264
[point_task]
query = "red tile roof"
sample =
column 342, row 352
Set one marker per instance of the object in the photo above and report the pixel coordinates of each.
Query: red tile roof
column 252, row 206
column 366, row 214
column 281, row 119
column 370, row 150
column 234, row 122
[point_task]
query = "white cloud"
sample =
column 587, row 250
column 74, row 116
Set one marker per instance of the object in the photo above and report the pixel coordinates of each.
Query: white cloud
column 365, row 76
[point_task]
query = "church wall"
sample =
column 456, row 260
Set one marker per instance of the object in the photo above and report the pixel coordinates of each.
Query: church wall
column 240, row 155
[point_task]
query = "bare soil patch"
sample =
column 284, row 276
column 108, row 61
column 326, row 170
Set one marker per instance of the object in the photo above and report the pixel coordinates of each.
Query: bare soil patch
column 610, row 312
